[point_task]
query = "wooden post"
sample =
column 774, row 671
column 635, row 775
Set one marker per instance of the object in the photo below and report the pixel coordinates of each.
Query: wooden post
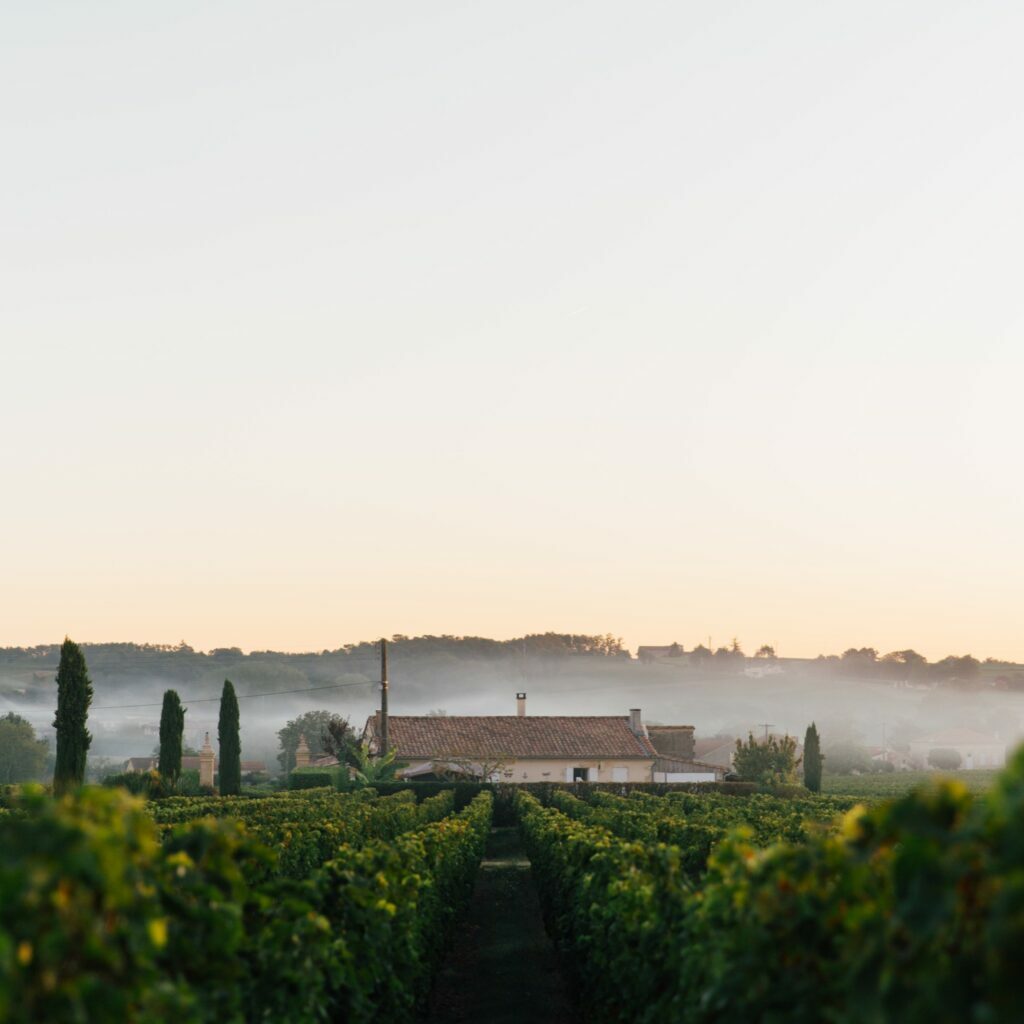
column 383, row 697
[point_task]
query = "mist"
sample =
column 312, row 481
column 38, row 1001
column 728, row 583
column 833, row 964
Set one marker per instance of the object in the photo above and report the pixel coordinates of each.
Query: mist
column 561, row 675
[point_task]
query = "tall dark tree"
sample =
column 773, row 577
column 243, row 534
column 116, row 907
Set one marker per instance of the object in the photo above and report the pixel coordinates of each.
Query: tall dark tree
column 230, row 745
column 172, row 725
column 812, row 759
column 74, row 695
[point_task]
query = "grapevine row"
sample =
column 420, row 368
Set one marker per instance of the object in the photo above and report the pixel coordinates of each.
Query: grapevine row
column 102, row 919
column 912, row 910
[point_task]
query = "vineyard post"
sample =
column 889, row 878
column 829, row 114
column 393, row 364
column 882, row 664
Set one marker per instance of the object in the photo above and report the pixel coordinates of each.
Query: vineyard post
column 383, row 697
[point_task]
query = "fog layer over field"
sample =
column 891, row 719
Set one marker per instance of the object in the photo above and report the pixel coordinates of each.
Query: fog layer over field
column 460, row 680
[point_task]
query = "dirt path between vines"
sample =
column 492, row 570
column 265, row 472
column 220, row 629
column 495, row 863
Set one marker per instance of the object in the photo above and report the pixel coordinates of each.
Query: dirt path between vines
column 503, row 969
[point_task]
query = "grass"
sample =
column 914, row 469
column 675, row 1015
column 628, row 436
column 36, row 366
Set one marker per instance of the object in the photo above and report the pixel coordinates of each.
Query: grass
column 893, row 784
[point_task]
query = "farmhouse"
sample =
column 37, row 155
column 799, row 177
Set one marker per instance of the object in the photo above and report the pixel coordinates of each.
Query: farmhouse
column 976, row 749
column 520, row 748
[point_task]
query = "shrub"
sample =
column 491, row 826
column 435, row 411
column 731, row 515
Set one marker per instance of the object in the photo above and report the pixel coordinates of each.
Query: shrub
column 772, row 762
column 945, row 759
column 149, row 784
column 313, row 778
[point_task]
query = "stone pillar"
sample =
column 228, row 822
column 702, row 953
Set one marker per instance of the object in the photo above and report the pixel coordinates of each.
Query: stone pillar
column 302, row 752
column 206, row 763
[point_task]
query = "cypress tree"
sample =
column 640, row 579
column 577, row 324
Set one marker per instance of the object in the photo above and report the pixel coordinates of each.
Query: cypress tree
column 230, row 745
column 812, row 759
column 74, row 695
column 172, row 725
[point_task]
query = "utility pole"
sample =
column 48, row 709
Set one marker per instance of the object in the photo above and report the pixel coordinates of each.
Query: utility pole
column 383, row 697
column 767, row 726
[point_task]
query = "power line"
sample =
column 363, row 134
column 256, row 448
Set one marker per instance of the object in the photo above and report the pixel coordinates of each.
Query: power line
column 241, row 696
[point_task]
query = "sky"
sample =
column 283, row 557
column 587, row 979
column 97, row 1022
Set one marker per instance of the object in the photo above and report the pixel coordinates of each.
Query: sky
column 325, row 321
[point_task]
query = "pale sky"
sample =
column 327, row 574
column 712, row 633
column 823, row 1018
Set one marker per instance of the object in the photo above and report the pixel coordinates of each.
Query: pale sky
column 323, row 321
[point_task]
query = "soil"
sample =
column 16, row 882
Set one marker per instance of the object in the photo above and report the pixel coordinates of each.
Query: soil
column 503, row 968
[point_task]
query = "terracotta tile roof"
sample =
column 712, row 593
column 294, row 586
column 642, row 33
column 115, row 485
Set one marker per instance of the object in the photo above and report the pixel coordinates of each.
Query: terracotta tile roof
column 556, row 736
column 188, row 763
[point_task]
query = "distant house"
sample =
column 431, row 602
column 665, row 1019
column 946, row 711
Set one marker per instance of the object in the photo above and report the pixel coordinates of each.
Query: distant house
column 887, row 755
column 648, row 654
column 715, row 750
column 147, row 764
column 976, row 749
column 520, row 747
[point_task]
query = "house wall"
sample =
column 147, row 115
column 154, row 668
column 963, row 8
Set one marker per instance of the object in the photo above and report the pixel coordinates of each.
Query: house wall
column 556, row 770
column 685, row 777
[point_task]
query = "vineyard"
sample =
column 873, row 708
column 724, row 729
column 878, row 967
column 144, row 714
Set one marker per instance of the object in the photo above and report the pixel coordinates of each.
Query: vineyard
column 911, row 910
column 311, row 907
column 320, row 905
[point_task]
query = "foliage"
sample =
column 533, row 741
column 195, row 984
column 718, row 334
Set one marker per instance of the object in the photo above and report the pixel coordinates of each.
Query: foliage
column 909, row 911
column 945, row 758
column 100, row 921
column 326, row 733
column 771, row 762
column 74, row 695
column 149, row 784
column 812, row 759
column 402, row 899
column 172, row 725
column 369, row 769
column 230, row 744
column 313, row 778
column 895, row 784
column 22, row 756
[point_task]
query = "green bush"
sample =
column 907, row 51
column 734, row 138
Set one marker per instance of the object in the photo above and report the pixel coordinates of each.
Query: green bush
column 314, row 778
column 150, row 784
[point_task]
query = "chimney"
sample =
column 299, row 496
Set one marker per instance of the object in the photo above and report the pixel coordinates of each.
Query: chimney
column 521, row 705
column 634, row 721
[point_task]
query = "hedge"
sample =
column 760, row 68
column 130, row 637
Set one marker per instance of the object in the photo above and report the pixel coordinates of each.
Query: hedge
column 312, row 778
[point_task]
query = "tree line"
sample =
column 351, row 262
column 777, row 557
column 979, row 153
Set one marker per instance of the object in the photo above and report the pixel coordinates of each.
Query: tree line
column 855, row 662
column 74, row 696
